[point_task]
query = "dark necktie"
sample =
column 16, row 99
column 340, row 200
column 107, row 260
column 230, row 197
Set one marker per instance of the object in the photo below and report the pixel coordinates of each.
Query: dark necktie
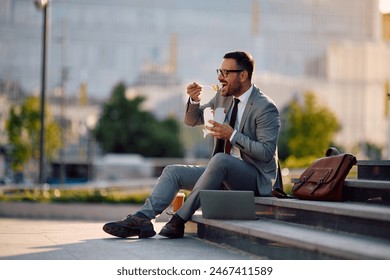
column 232, row 122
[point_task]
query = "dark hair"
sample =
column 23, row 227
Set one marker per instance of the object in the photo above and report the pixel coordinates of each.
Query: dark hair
column 244, row 60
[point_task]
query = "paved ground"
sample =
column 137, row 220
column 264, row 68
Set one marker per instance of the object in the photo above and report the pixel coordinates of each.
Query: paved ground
column 66, row 248
column 37, row 239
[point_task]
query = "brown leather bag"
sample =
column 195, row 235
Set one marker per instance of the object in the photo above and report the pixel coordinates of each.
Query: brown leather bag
column 324, row 178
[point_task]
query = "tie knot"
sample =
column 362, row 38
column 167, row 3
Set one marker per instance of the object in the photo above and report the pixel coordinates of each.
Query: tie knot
column 236, row 101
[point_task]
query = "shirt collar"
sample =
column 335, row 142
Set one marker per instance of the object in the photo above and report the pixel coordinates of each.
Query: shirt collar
column 245, row 96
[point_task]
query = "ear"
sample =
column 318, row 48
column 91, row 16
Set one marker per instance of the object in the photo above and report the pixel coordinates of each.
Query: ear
column 243, row 76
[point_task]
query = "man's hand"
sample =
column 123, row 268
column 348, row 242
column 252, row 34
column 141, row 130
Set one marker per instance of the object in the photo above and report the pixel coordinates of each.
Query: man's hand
column 222, row 131
column 194, row 90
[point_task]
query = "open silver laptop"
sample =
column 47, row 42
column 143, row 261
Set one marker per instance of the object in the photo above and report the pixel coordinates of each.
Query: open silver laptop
column 229, row 205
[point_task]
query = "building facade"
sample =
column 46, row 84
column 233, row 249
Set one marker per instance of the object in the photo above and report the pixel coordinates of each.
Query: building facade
column 335, row 48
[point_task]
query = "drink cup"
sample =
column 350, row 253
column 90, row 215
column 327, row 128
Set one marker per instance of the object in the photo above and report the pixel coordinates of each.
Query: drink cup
column 178, row 201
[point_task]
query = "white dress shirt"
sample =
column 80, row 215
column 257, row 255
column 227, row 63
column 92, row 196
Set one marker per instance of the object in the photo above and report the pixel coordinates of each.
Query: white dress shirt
column 240, row 111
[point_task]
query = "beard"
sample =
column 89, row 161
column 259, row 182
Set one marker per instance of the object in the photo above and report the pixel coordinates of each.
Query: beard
column 231, row 89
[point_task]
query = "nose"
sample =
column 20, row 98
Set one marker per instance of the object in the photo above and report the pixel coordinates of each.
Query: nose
column 220, row 77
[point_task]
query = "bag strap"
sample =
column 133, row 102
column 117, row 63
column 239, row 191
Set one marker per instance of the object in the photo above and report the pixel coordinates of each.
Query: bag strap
column 277, row 191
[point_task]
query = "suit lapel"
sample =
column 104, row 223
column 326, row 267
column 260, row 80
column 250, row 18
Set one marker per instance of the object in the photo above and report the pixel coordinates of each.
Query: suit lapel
column 248, row 107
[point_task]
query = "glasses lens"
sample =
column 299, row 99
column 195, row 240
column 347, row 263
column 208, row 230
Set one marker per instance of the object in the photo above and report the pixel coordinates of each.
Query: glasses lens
column 222, row 72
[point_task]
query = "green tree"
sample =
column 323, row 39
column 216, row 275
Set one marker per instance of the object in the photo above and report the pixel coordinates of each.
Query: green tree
column 124, row 127
column 309, row 128
column 23, row 131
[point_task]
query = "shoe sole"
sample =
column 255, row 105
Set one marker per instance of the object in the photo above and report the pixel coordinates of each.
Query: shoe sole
column 123, row 231
column 169, row 235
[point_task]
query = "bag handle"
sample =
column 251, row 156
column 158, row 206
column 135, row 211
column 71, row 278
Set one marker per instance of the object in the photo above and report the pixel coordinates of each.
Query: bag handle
column 332, row 151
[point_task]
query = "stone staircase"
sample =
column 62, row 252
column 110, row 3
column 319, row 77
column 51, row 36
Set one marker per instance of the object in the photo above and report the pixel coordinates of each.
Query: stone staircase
column 357, row 228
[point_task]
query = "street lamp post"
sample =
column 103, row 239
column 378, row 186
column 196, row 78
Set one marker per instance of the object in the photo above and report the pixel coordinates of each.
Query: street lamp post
column 43, row 5
column 91, row 124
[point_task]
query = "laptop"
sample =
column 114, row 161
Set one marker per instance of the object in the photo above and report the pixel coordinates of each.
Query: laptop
column 226, row 204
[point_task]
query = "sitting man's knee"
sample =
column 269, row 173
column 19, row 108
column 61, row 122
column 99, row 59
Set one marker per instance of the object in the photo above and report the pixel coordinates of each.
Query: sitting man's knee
column 219, row 159
column 169, row 170
column 220, row 156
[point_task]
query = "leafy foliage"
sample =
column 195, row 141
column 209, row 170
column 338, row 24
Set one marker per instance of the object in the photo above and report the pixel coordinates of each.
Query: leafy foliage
column 74, row 195
column 23, row 131
column 124, row 127
column 308, row 130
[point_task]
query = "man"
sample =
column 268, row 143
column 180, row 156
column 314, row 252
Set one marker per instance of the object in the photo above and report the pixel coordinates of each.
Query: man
column 244, row 156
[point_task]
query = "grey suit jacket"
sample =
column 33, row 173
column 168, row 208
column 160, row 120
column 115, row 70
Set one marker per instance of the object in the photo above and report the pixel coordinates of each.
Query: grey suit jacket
column 257, row 137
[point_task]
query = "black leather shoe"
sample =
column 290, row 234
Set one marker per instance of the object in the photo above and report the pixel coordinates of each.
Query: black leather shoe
column 174, row 228
column 130, row 226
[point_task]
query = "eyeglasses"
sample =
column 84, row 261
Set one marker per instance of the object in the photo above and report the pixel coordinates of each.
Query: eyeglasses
column 224, row 73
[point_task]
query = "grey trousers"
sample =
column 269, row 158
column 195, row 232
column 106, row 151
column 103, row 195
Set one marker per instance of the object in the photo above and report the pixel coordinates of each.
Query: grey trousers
column 222, row 172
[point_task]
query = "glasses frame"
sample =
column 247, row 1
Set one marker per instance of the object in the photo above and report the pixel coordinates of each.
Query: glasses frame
column 224, row 73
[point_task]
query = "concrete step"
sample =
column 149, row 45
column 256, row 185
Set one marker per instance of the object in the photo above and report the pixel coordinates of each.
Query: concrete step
column 365, row 190
column 373, row 212
column 300, row 229
column 282, row 240
column 374, row 169
column 358, row 228
column 367, row 219
column 367, row 184
column 361, row 183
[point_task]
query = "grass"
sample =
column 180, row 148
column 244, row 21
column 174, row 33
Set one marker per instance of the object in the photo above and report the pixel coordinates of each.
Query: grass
column 73, row 195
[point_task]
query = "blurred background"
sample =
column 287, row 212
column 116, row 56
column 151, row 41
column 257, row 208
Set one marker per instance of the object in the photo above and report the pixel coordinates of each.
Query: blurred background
column 116, row 73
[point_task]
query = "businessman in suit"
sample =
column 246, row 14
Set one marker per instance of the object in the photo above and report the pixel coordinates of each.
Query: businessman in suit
column 244, row 155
